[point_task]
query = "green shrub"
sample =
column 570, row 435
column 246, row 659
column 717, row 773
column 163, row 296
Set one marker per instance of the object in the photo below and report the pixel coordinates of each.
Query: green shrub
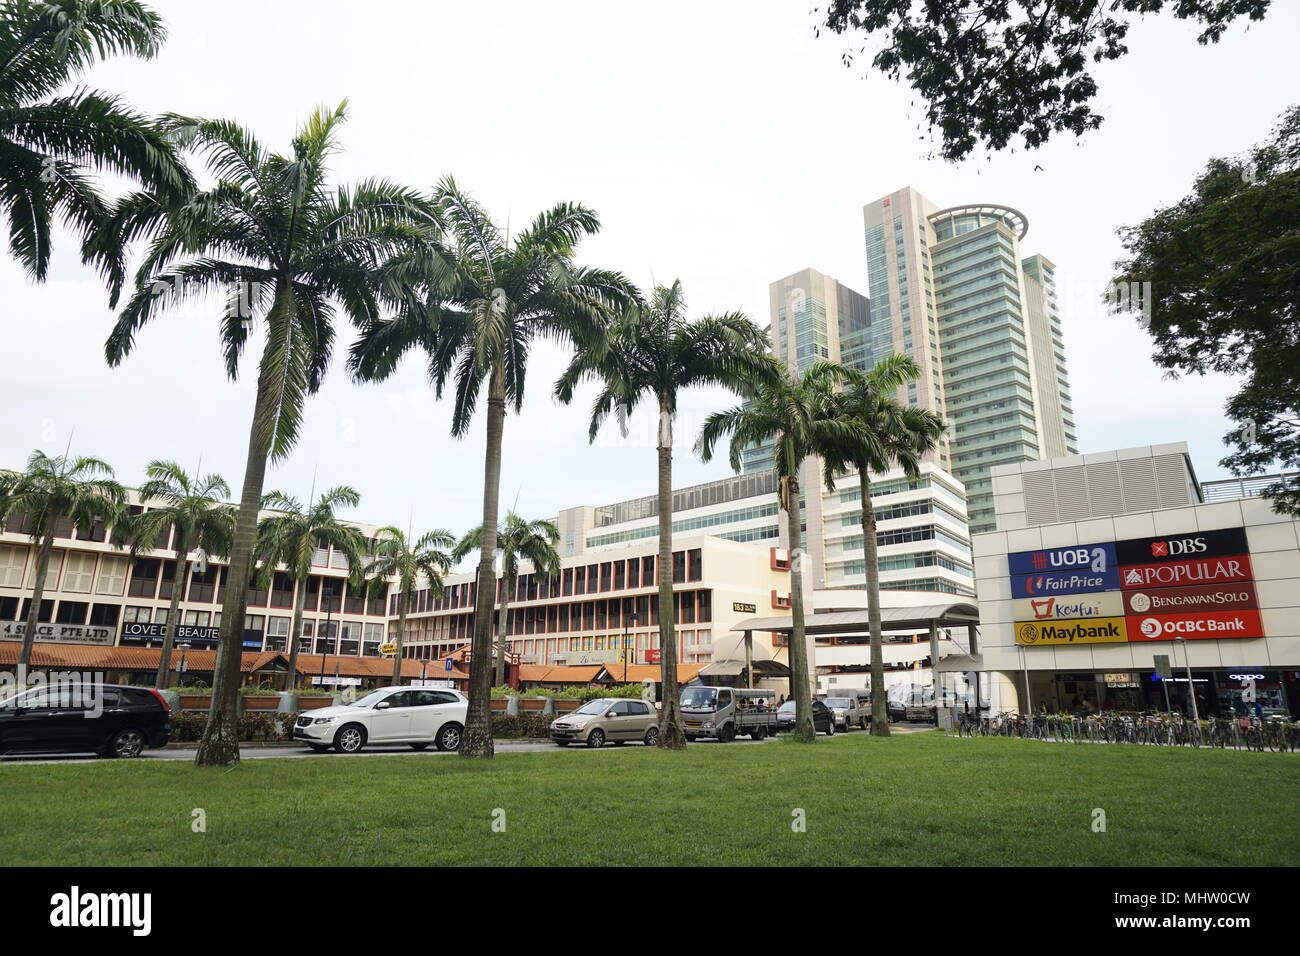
column 512, row 727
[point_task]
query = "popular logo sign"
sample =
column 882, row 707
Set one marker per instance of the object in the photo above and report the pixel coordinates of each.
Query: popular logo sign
column 1208, row 624
column 1106, row 630
column 1063, row 582
column 1091, row 557
column 1181, row 573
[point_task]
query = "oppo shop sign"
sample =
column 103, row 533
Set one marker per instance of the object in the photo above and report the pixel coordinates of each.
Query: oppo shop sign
column 1198, row 586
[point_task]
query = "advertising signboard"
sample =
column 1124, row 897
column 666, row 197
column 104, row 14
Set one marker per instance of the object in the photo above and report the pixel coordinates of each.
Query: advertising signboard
column 1202, row 544
column 1105, row 630
column 1086, row 557
column 1069, row 607
column 57, row 633
column 1063, row 582
column 1211, row 625
column 1182, row 573
column 1206, row 597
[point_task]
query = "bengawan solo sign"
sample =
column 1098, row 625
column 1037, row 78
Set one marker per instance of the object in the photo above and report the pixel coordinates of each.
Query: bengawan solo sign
column 1197, row 585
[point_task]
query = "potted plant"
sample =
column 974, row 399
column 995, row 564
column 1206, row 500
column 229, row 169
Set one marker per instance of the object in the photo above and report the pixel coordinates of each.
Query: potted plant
column 259, row 698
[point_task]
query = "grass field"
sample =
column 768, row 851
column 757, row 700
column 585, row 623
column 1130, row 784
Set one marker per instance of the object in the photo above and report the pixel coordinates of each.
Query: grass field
column 919, row 799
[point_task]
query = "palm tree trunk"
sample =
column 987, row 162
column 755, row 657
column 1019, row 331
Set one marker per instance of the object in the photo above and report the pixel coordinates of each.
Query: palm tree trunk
column 477, row 739
column 804, row 731
column 38, row 595
column 295, row 632
column 879, row 710
column 671, row 734
column 403, row 604
column 219, row 745
column 502, row 614
column 173, row 614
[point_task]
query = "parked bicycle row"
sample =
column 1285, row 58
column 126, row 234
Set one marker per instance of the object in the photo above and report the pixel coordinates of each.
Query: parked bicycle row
column 1155, row 728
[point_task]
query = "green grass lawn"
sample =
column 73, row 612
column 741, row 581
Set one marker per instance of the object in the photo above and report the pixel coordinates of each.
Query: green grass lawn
column 918, row 799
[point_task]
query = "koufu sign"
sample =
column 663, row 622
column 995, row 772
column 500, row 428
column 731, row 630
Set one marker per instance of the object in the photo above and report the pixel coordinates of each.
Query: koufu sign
column 57, row 633
column 1198, row 585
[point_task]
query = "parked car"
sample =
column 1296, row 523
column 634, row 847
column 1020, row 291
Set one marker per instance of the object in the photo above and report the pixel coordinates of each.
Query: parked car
column 417, row 716
column 849, row 711
column 111, row 720
column 897, row 711
column 724, row 712
column 823, row 719
column 609, row 719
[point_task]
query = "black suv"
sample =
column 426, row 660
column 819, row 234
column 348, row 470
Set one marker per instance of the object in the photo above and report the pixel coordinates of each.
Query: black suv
column 823, row 719
column 111, row 720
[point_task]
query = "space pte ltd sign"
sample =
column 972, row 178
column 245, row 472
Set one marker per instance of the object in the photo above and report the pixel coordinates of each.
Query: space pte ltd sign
column 1197, row 585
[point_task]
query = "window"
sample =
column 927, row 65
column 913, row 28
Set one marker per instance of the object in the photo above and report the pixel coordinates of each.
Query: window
column 679, row 567
column 203, row 585
column 43, row 616
column 197, row 618
column 648, row 571
column 144, row 578
column 605, row 576
column 104, row 615
column 13, row 560
column 72, row 612
column 8, row 608
column 696, row 565
column 281, row 590
column 167, row 580
column 136, row 615
column 277, row 633
column 51, row 570
column 112, row 576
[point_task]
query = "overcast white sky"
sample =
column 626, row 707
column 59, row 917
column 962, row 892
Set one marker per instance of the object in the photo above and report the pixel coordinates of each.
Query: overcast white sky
column 720, row 142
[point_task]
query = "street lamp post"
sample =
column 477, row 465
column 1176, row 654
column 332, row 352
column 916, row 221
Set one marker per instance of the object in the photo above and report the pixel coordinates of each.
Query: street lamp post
column 181, row 667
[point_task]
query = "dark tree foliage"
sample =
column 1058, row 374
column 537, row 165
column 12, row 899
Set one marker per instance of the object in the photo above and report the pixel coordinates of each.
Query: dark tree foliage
column 1224, row 268
column 992, row 70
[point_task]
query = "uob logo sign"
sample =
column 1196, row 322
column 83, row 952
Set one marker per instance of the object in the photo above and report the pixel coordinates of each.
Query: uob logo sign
column 1097, row 558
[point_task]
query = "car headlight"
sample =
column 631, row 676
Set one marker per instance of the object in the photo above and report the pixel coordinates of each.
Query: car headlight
column 707, row 725
column 324, row 720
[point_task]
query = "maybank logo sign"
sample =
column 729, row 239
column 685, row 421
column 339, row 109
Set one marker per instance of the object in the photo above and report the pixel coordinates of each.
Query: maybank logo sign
column 1106, row 630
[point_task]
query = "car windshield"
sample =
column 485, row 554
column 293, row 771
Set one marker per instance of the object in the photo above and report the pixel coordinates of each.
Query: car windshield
column 374, row 697
column 838, row 702
column 594, row 707
column 786, row 708
column 699, row 698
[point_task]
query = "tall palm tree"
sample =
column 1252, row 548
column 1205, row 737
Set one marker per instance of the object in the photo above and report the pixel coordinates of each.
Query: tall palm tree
column 786, row 410
column 517, row 540
column 486, row 299
column 409, row 563
column 51, row 145
column 289, row 536
column 883, row 433
column 288, row 250
column 54, row 488
column 654, row 352
column 195, row 507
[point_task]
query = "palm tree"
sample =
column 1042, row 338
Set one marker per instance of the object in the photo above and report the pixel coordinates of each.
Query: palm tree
column 655, row 352
column 50, row 144
column 517, row 540
column 784, row 409
column 485, row 301
column 396, row 557
column 195, row 507
column 883, row 434
column 286, row 249
column 53, row 489
column 289, row 537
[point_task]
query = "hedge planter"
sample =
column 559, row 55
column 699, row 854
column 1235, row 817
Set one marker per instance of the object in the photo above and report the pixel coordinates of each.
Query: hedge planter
column 532, row 704
column 196, row 701
column 564, row 705
column 314, row 703
column 261, row 701
column 500, row 704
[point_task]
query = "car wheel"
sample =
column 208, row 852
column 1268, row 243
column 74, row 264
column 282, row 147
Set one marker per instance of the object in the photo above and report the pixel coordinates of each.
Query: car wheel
column 420, row 746
column 689, row 738
column 758, row 733
column 830, row 728
column 319, row 748
column 596, row 739
column 727, row 734
column 561, row 743
column 350, row 739
column 652, row 737
column 448, row 737
column 126, row 744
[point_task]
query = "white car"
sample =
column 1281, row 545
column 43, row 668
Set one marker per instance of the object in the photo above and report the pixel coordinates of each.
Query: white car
column 417, row 716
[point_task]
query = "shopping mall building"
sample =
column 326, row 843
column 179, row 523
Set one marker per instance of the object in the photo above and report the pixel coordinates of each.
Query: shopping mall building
column 1107, row 566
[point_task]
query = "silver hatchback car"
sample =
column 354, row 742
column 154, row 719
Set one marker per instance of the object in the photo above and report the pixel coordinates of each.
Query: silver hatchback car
column 608, row 720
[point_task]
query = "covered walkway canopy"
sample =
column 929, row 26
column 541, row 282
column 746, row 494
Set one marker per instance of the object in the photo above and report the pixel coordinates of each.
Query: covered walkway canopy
column 925, row 617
